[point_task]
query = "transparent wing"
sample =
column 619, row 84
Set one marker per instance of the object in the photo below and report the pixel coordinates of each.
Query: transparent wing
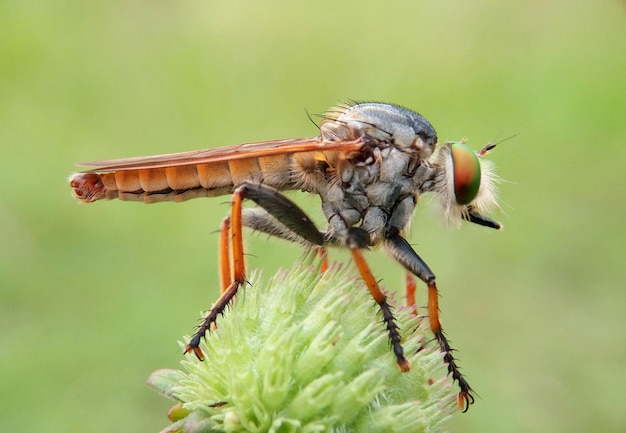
column 242, row 151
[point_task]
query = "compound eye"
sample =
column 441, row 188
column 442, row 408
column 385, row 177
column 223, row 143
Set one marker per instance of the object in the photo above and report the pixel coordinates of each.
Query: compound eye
column 466, row 172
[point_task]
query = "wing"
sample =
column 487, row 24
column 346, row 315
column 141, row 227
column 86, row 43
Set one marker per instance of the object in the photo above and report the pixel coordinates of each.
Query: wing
column 229, row 153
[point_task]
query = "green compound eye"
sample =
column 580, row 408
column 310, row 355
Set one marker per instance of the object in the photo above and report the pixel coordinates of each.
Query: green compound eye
column 466, row 171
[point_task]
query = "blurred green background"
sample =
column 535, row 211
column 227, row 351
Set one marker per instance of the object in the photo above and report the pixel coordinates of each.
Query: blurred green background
column 94, row 298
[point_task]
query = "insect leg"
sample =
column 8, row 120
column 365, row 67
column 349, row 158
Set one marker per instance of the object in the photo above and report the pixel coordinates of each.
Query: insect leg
column 279, row 212
column 410, row 292
column 323, row 255
column 224, row 255
column 400, row 249
column 260, row 220
column 357, row 241
column 238, row 277
column 286, row 218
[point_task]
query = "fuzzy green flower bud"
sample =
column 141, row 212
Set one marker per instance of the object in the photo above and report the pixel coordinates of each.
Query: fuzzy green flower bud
column 308, row 353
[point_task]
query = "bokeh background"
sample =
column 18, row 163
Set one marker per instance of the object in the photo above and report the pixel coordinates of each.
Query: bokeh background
column 95, row 297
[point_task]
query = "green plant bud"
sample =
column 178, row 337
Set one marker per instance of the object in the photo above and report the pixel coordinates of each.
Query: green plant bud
column 307, row 352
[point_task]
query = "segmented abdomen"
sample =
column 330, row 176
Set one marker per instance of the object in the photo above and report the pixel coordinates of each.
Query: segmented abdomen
column 183, row 182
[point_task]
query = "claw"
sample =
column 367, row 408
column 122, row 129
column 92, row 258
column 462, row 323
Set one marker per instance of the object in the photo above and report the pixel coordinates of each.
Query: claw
column 404, row 365
column 193, row 346
column 463, row 400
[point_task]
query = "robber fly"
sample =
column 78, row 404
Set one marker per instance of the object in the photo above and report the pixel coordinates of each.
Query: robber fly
column 369, row 165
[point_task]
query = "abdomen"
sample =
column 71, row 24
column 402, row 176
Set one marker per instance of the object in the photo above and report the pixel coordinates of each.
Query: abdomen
column 183, row 182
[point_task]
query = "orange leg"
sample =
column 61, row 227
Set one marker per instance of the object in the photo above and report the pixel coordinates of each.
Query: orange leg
column 224, row 255
column 381, row 300
column 229, row 286
column 239, row 267
column 293, row 222
column 404, row 254
column 410, row 293
column 464, row 398
column 323, row 255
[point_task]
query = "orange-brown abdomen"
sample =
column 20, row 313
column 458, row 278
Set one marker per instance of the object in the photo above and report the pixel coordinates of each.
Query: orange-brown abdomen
column 182, row 182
